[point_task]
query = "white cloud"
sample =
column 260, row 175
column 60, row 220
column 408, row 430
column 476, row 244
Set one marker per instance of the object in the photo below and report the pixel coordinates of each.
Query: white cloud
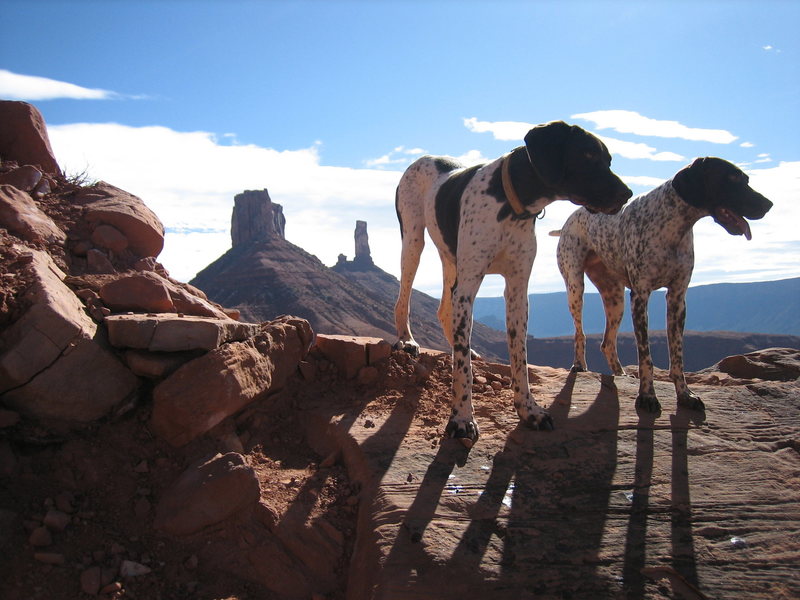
column 638, row 150
column 14, row 86
column 399, row 157
column 747, row 145
column 500, row 130
column 515, row 130
column 628, row 121
column 642, row 180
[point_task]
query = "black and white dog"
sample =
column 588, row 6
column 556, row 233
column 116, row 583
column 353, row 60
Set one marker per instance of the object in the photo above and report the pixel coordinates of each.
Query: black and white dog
column 481, row 219
column 646, row 246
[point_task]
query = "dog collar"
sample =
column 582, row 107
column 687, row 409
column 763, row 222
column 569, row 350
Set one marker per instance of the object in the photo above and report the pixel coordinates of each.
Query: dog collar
column 520, row 212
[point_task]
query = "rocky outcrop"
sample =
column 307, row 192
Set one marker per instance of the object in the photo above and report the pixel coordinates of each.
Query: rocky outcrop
column 124, row 221
column 53, row 363
column 23, row 137
column 20, row 215
column 256, row 218
column 203, row 392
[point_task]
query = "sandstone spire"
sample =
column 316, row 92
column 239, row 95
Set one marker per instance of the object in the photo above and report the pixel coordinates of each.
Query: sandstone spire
column 256, row 217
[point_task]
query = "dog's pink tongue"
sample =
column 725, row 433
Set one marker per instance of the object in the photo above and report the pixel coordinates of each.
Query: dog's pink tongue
column 743, row 225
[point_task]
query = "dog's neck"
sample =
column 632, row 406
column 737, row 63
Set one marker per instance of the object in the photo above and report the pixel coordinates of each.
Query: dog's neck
column 665, row 206
column 533, row 194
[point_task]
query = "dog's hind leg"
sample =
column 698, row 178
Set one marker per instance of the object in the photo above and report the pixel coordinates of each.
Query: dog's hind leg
column 412, row 230
column 570, row 263
column 445, row 312
column 676, row 321
column 612, row 292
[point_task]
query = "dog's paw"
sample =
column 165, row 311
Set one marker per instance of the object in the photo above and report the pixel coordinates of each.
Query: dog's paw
column 576, row 368
column 409, row 347
column 542, row 422
column 648, row 403
column 466, row 433
column 691, row 400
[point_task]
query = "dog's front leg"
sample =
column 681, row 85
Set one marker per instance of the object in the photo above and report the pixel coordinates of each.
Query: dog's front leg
column 516, row 297
column 676, row 321
column 462, row 425
column 647, row 393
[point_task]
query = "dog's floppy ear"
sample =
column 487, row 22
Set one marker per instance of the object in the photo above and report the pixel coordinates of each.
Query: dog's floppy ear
column 546, row 146
column 691, row 183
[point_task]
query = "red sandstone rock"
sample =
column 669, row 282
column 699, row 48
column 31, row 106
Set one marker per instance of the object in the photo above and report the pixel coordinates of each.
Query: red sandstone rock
column 20, row 215
column 203, row 392
column 351, row 353
column 169, row 332
column 51, row 365
column 144, row 292
column 109, row 237
column 109, row 205
column 206, row 494
column 25, row 178
column 23, row 136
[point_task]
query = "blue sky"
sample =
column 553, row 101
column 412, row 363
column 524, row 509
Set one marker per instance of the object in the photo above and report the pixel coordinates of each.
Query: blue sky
column 186, row 103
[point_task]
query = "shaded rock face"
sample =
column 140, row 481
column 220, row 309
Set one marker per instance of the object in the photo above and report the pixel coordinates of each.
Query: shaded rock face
column 256, row 218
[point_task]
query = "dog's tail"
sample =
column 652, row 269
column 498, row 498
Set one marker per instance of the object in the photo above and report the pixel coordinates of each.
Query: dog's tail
column 555, row 233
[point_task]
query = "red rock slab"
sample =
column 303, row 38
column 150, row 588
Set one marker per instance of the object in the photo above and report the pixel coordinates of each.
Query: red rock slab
column 169, row 332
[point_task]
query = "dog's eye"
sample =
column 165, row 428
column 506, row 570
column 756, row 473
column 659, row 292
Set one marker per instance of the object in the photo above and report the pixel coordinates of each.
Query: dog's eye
column 590, row 155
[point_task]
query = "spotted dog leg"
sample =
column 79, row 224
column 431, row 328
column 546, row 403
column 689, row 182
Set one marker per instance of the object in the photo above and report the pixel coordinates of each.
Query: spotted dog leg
column 462, row 425
column 613, row 295
column 570, row 263
column 516, row 297
column 445, row 312
column 413, row 243
column 646, row 399
column 676, row 320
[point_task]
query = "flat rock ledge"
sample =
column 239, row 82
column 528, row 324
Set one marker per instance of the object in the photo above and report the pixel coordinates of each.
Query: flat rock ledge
column 168, row 332
column 612, row 504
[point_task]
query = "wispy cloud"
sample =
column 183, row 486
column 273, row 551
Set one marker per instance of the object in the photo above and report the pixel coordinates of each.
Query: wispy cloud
column 516, row 130
column 399, row 156
column 14, row 86
column 500, row 130
column 628, row 121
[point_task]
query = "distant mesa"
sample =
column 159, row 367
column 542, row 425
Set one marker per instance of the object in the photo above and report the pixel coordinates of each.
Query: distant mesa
column 256, row 218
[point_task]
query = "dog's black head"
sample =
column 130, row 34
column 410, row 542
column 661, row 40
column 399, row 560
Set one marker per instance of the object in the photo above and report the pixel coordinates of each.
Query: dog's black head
column 576, row 165
column 722, row 189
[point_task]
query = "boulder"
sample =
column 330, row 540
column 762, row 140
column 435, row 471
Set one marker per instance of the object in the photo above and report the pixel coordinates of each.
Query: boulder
column 203, row 392
column 144, row 292
column 25, row 178
column 206, row 494
column 20, row 215
column 351, row 353
column 23, row 137
column 108, row 205
column 169, row 332
column 775, row 364
column 53, row 363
